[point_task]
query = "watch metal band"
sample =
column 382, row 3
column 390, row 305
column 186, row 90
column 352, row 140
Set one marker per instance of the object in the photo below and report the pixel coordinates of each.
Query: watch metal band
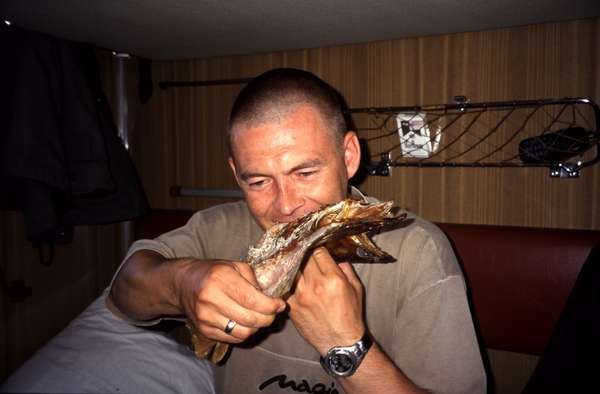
column 341, row 361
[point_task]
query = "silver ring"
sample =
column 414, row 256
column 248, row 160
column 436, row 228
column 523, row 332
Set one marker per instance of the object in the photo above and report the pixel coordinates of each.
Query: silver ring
column 229, row 327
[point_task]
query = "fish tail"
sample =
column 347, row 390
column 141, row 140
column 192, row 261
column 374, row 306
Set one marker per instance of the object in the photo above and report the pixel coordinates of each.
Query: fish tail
column 219, row 352
column 207, row 348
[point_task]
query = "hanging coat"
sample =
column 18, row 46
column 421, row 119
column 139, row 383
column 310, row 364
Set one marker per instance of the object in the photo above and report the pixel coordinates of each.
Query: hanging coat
column 61, row 160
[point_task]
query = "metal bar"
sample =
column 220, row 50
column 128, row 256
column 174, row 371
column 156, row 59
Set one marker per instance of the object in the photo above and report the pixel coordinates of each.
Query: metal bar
column 212, row 82
column 597, row 132
column 123, row 128
column 471, row 164
column 466, row 130
column 180, row 191
column 513, row 136
column 479, row 142
column 122, row 110
column 465, row 106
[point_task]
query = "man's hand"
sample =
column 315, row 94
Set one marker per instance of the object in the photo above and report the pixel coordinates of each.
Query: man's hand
column 208, row 292
column 327, row 304
column 327, row 310
column 213, row 292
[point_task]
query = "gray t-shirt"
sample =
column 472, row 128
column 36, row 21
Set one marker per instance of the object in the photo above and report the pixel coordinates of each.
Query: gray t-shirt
column 416, row 310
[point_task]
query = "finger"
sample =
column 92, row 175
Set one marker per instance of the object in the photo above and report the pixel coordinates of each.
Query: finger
column 215, row 333
column 212, row 323
column 248, row 294
column 351, row 275
column 230, row 308
column 298, row 285
column 311, row 267
column 237, row 334
column 246, row 272
column 325, row 262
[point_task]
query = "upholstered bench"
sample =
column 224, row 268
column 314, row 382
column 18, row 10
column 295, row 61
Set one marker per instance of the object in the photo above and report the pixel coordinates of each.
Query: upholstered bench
column 519, row 279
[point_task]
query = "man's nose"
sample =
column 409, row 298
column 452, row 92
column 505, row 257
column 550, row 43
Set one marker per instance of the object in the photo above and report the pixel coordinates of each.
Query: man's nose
column 289, row 199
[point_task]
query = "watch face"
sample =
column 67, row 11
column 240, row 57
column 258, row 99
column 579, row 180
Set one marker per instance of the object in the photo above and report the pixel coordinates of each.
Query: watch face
column 341, row 363
column 344, row 360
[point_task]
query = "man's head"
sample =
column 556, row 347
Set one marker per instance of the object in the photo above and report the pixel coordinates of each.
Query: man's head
column 290, row 151
column 273, row 94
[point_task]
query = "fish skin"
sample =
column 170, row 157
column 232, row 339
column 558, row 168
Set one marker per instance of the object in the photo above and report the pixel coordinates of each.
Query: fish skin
column 343, row 228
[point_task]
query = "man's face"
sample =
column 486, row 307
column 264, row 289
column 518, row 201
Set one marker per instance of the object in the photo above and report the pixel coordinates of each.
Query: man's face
column 291, row 166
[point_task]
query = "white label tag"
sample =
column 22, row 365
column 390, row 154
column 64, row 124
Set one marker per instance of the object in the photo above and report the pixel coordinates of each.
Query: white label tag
column 415, row 136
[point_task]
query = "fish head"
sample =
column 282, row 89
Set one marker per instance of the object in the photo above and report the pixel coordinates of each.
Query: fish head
column 343, row 228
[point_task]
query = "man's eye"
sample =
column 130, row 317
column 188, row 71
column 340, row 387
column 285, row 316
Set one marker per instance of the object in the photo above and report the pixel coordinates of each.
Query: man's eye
column 306, row 174
column 256, row 183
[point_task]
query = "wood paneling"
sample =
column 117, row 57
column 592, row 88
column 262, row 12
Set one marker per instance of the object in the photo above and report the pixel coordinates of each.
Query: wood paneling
column 179, row 138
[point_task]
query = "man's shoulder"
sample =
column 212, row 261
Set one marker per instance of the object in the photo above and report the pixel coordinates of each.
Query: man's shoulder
column 419, row 232
column 225, row 225
column 418, row 244
column 227, row 212
column 418, row 226
column 425, row 230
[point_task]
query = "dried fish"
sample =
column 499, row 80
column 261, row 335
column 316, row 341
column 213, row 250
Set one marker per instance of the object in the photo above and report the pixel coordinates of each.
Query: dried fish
column 343, row 228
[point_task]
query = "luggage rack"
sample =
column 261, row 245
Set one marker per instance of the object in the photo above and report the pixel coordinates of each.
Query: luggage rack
column 560, row 134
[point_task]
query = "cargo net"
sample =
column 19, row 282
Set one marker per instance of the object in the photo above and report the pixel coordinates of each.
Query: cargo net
column 562, row 135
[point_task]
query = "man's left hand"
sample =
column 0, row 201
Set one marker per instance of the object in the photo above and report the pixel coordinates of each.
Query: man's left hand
column 327, row 304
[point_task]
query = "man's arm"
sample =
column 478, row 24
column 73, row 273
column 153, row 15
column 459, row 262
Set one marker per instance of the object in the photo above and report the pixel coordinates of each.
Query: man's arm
column 208, row 292
column 378, row 374
column 327, row 310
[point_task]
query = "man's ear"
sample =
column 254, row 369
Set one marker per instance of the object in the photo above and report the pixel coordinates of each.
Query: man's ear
column 231, row 163
column 351, row 147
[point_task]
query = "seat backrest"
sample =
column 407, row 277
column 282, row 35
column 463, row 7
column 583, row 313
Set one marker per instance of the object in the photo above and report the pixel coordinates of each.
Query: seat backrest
column 519, row 279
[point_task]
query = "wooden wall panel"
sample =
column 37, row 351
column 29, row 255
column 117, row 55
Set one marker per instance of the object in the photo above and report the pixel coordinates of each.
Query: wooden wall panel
column 181, row 130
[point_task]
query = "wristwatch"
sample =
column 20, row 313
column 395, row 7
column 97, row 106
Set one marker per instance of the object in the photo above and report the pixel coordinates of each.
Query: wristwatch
column 343, row 361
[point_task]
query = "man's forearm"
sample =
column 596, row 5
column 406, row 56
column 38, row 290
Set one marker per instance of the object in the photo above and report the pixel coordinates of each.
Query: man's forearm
column 378, row 374
column 145, row 288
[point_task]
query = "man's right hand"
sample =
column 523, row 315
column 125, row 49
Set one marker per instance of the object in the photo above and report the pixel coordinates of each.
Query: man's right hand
column 213, row 292
column 208, row 292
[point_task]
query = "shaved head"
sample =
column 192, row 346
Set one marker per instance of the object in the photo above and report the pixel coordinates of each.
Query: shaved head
column 273, row 95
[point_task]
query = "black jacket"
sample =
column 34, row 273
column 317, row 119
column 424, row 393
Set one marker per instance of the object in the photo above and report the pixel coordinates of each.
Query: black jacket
column 61, row 160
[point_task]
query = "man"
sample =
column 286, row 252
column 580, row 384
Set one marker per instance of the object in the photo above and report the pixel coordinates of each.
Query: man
column 291, row 154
